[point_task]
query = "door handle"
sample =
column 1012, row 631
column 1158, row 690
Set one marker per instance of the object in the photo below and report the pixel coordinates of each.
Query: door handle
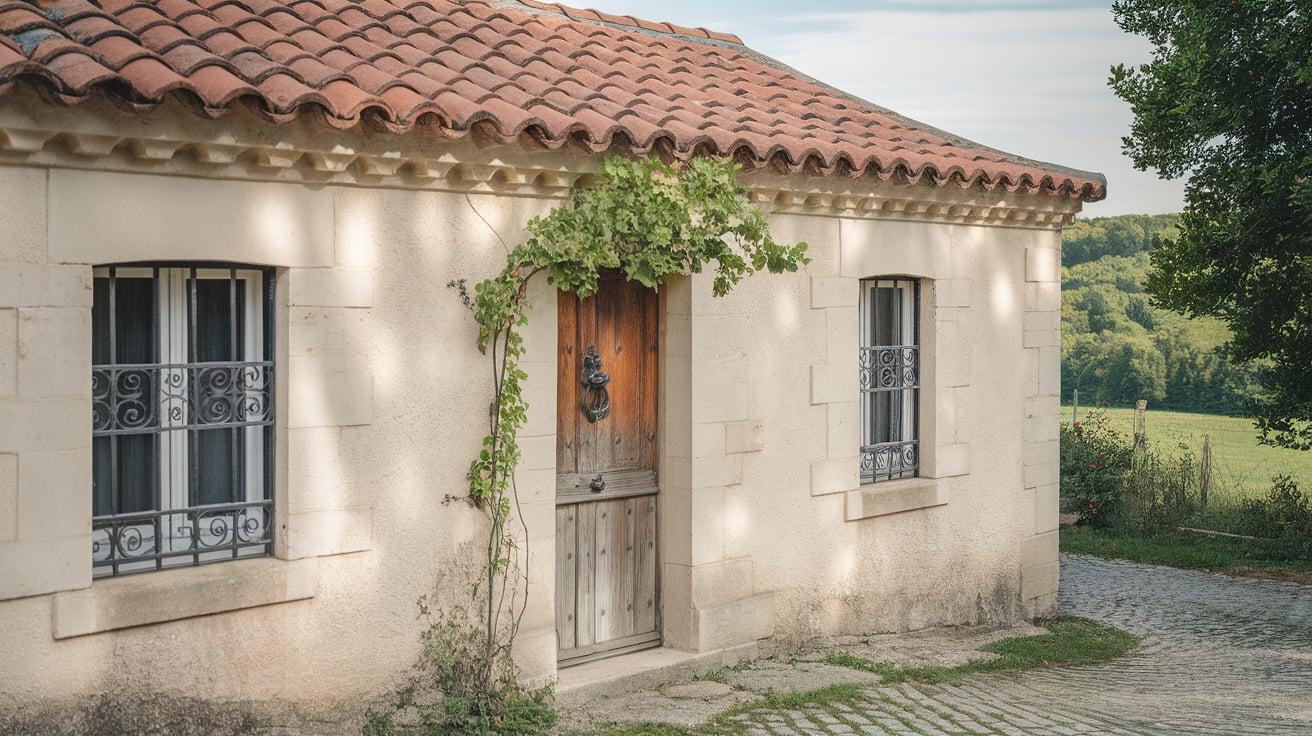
column 598, row 484
column 596, row 399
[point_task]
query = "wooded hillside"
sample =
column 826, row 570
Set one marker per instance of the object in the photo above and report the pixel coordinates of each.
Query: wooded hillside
column 1117, row 347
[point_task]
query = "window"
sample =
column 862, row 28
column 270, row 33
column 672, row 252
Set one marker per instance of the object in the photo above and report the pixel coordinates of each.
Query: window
column 890, row 379
column 182, row 416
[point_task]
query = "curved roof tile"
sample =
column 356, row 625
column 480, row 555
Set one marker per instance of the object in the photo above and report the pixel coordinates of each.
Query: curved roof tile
column 513, row 68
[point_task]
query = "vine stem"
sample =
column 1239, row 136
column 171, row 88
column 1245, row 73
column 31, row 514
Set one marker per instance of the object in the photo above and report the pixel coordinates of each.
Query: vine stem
column 705, row 216
column 496, row 541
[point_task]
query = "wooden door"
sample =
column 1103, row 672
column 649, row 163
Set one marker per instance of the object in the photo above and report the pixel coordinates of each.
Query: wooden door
column 606, row 488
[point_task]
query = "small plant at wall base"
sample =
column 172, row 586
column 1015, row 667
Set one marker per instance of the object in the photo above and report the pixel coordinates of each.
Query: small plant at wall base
column 649, row 220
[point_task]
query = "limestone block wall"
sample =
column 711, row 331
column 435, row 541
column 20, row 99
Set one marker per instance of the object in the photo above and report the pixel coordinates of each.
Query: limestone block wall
column 382, row 397
column 1039, row 568
column 783, row 534
column 45, row 397
column 709, row 597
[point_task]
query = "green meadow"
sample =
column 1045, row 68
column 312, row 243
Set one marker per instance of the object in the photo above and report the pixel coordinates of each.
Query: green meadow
column 1242, row 468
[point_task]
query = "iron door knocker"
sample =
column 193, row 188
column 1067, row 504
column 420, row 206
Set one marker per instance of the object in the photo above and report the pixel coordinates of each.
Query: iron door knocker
column 596, row 399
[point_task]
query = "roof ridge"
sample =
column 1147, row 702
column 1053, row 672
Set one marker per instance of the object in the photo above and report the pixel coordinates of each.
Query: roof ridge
column 590, row 15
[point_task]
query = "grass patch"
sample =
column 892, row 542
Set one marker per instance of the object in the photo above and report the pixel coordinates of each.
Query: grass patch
column 1070, row 641
column 794, row 701
column 719, row 674
column 1217, row 554
column 722, row 673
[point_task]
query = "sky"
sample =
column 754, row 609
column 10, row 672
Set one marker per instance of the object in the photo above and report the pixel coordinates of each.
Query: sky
column 1024, row 76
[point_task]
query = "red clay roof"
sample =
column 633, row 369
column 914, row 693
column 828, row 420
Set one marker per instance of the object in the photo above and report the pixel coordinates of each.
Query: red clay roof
column 509, row 69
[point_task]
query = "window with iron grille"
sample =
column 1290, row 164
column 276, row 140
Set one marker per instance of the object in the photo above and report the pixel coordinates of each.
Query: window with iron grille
column 890, row 379
column 182, row 415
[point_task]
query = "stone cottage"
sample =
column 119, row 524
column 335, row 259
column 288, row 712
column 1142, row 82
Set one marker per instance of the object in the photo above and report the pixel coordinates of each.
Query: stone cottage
column 234, row 388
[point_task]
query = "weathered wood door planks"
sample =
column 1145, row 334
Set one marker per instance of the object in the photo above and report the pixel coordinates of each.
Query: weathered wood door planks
column 606, row 571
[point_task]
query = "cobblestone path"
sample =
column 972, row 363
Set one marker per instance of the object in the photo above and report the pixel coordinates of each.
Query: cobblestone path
column 1221, row 656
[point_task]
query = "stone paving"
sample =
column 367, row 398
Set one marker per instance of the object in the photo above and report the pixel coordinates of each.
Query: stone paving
column 1221, row 656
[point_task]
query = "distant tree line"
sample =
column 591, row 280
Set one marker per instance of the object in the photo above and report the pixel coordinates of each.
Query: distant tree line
column 1124, row 235
column 1118, row 348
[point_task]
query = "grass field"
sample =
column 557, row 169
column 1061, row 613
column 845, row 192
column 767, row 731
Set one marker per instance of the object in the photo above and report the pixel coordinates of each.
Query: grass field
column 1243, row 468
column 1230, row 556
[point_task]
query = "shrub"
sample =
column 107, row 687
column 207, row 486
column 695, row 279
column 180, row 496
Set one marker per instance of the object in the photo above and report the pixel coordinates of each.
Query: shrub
column 450, row 693
column 1284, row 515
column 1111, row 481
column 1095, row 462
column 1162, row 489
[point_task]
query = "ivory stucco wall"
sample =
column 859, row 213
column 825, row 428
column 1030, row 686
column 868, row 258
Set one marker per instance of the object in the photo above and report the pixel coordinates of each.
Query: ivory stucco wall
column 765, row 531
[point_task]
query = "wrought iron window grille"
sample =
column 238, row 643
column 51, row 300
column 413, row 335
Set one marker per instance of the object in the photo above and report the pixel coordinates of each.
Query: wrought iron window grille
column 890, row 379
column 182, row 416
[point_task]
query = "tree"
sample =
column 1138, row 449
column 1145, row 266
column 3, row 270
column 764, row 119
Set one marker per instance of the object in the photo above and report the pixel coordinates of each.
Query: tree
column 1133, row 369
column 1122, row 235
column 1122, row 348
column 1227, row 101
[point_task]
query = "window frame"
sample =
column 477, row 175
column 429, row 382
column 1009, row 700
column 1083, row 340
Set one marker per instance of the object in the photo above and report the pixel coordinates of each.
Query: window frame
column 896, row 369
column 177, row 398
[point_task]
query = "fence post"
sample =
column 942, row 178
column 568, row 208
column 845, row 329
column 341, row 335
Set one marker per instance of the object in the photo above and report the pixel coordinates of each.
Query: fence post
column 1140, row 431
column 1205, row 484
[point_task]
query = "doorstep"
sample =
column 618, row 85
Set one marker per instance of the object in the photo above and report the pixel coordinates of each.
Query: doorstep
column 645, row 670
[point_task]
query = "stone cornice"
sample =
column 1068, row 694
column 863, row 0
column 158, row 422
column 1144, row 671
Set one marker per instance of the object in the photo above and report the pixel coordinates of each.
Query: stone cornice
column 170, row 142
column 837, row 197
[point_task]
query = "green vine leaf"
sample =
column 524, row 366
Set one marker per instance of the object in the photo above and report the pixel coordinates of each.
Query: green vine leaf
column 646, row 218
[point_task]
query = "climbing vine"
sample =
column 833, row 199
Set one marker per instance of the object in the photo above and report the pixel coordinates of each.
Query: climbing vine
column 650, row 220
column 646, row 218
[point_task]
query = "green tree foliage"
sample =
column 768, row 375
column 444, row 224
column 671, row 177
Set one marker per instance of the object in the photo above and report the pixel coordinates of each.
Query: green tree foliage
column 1227, row 101
column 1124, row 235
column 1117, row 347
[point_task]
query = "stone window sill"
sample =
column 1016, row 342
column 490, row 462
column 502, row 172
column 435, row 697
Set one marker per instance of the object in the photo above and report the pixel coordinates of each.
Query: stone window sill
column 185, row 592
column 895, row 497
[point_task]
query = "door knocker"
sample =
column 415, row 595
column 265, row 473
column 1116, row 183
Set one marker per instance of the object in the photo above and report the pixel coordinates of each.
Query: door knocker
column 596, row 400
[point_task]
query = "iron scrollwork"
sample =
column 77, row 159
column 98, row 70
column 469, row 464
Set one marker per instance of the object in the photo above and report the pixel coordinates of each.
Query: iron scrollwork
column 136, row 399
column 596, row 399
column 890, row 368
column 890, row 460
column 151, row 540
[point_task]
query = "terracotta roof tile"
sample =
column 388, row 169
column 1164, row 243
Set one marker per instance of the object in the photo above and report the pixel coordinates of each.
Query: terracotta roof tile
column 314, row 72
column 163, row 36
column 217, row 86
column 186, row 58
column 539, row 71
